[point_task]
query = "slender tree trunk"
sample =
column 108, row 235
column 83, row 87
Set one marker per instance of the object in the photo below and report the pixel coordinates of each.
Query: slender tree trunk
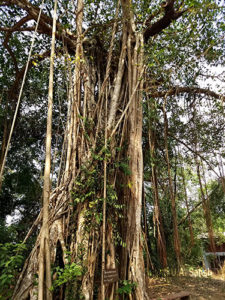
column 205, row 200
column 172, row 196
column 221, row 170
column 206, row 210
column 44, row 270
column 104, row 212
column 161, row 242
column 3, row 145
column 187, row 206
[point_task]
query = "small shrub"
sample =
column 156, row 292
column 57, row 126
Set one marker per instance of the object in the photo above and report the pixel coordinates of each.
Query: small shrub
column 11, row 261
column 67, row 275
column 127, row 287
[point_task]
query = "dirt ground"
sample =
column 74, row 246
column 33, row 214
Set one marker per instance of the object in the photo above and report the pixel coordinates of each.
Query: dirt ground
column 200, row 288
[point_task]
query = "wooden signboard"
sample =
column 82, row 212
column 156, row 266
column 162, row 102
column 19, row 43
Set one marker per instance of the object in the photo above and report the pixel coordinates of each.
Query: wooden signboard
column 110, row 276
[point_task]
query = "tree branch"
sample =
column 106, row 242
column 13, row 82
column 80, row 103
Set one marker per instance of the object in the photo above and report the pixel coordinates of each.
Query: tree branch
column 11, row 29
column 195, row 152
column 180, row 90
column 45, row 24
column 8, row 35
column 169, row 15
column 13, row 90
column 190, row 212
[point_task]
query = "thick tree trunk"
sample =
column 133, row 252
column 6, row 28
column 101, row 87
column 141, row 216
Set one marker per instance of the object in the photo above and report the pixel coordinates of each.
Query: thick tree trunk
column 72, row 225
column 135, row 182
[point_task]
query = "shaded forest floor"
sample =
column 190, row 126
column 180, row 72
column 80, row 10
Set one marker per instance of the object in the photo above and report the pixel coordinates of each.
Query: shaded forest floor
column 200, row 288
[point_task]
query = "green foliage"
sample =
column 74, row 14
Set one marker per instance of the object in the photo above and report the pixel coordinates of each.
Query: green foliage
column 124, row 168
column 67, row 275
column 11, row 262
column 127, row 287
column 89, row 189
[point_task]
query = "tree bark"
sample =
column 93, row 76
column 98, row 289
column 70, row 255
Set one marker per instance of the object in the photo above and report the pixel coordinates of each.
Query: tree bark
column 171, row 190
column 161, row 242
column 44, row 269
column 206, row 210
column 187, row 206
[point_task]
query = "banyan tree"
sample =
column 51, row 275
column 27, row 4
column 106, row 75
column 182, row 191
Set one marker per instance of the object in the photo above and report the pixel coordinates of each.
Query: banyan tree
column 91, row 221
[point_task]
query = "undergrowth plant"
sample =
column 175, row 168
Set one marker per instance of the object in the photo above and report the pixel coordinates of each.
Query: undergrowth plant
column 11, row 261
